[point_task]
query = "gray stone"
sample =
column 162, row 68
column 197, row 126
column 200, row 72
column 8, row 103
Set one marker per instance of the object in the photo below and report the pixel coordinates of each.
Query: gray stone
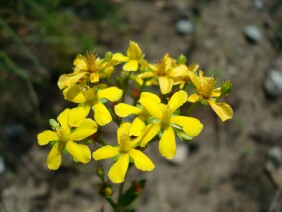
column 2, row 165
column 185, row 26
column 273, row 83
column 253, row 33
column 275, row 155
column 182, row 153
column 259, row 4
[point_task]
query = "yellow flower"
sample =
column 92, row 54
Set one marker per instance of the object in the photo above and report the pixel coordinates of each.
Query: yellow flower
column 94, row 98
column 182, row 80
column 73, row 126
column 125, row 152
column 89, row 68
column 132, row 59
column 166, row 122
column 164, row 73
column 207, row 92
column 123, row 110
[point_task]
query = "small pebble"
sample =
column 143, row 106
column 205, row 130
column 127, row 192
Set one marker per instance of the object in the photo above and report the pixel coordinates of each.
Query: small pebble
column 253, row 33
column 184, row 26
column 14, row 131
column 273, row 83
column 259, row 4
column 275, row 154
column 2, row 165
column 182, row 153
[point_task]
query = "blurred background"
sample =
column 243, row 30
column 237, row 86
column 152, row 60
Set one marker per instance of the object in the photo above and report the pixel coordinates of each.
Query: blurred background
column 231, row 166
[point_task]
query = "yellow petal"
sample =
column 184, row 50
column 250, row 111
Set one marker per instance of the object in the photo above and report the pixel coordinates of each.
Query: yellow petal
column 193, row 67
column 54, row 158
column 101, row 114
column 124, row 110
column 123, row 130
column 141, row 161
column 120, row 57
column 191, row 126
column 177, row 100
column 148, row 95
column 195, row 80
column 63, row 119
column 149, row 132
column 67, row 80
column 131, row 65
column 80, row 152
column 105, row 152
column 77, row 114
column 146, row 75
column 194, row 98
column 167, row 145
column 134, row 51
column 153, row 107
column 80, row 62
column 165, row 84
column 216, row 92
column 74, row 94
column 85, row 128
column 179, row 71
column 118, row 170
column 46, row 136
column 94, row 77
column 137, row 126
column 223, row 110
column 113, row 94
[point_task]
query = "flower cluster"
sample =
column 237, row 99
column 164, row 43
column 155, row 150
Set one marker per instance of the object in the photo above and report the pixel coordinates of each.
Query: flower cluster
column 100, row 92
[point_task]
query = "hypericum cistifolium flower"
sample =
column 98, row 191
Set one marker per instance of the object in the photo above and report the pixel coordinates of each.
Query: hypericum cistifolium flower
column 125, row 152
column 165, row 121
column 206, row 91
column 73, row 126
column 94, row 98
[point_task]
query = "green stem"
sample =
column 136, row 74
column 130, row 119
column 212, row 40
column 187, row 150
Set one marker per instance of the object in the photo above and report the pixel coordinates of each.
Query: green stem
column 111, row 202
column 192, row 108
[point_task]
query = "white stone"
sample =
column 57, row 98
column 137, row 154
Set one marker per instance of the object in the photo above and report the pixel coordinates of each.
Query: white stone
column 273, row 83
column 184, row 26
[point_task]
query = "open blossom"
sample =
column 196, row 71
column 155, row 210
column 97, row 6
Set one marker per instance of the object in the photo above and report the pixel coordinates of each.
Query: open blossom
column 138, row 124
column 164, row 73
column 94, row 97
column 87, row 68
column 72, row 126
column 166, row 122
column 132, row 59
column 206, row 91
column 125, row 152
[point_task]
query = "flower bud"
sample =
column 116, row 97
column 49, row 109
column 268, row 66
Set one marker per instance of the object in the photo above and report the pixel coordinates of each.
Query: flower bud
column 100, row 172
column 108, row 56
column 226, row 88
column 108, row 191
column 181, row 59
column 54, row 124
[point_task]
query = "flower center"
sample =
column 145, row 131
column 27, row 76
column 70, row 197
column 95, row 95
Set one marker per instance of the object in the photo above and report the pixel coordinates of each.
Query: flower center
column 63, row 135
column 165, row 121
column 125, row 145
column 207, row 86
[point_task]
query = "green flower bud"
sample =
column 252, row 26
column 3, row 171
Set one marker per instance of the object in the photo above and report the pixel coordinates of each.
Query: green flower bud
column 108, row 56
column 100, row 172
column 108, row 191
column 54, row 124
column 226, row 88
column 181, row 59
